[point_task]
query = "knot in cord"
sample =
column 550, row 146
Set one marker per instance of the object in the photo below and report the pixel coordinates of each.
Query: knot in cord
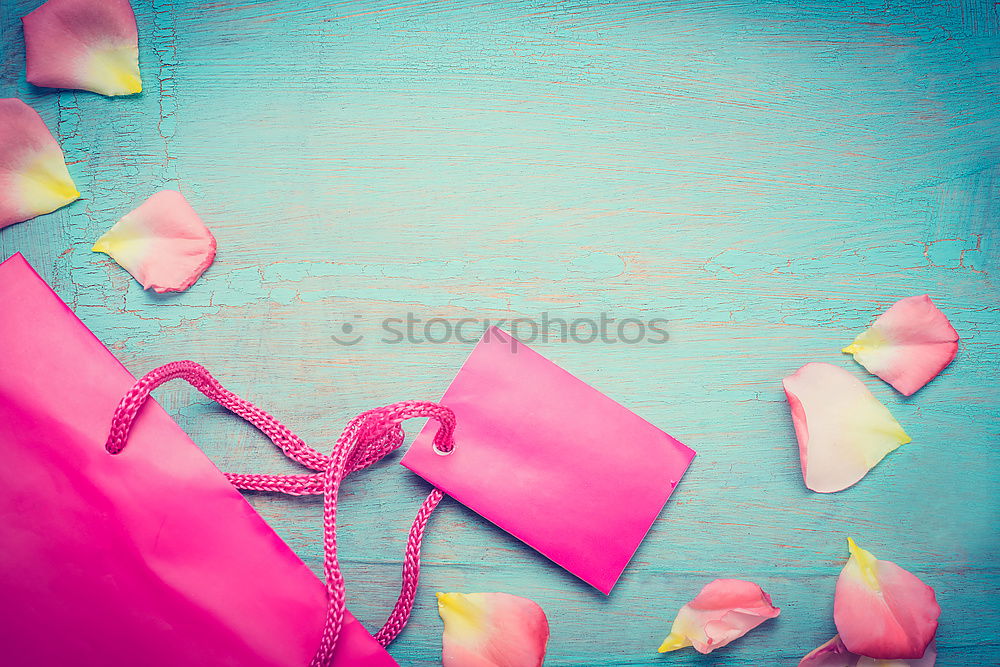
column 366, row 439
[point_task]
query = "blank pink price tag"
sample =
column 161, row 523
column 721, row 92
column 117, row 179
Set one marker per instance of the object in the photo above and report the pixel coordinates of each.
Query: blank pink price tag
column 551, row 460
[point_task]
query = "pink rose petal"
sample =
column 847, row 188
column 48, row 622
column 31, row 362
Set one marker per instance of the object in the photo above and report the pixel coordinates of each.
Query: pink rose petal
column 33, row 175
column 85, row 45
column 883, row 611
column 163, row 243
column 843, row 431
column 724, row 610
column 492, row 630
column 907, row 345
column 835, row 654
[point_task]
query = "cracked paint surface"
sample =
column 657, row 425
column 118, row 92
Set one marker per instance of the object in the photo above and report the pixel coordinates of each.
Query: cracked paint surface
column 767, row 177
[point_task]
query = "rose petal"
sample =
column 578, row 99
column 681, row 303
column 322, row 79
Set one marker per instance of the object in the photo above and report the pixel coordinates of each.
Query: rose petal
column 907, row 345
column 33, row 175
column 843, row 431
column 831, row 654
column 724, row 610
column 928, row 660
column 492, row 630
column 85, row 45
column 835, row 654
column 163, row 243
column 883, row 611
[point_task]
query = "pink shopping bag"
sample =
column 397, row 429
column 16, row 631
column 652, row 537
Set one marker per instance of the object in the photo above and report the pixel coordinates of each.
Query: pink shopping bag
column 147, row 558
column 551, row 460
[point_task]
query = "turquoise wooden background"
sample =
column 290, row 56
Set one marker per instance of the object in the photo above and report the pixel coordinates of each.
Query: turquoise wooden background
column 767, row 176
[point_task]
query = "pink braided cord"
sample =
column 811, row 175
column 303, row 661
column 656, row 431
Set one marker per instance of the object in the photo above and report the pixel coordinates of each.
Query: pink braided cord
column 367, row 438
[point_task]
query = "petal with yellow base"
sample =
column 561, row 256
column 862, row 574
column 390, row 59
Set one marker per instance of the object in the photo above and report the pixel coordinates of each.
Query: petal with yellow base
column 492, row 630
column 83, row 45
column 883, row 611
column 33, row 176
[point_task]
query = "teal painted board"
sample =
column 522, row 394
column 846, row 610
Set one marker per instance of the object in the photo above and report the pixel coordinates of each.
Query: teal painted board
column 767, row 177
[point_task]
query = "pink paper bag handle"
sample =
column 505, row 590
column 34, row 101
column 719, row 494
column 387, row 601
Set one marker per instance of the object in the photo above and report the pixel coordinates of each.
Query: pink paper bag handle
column 367, row 438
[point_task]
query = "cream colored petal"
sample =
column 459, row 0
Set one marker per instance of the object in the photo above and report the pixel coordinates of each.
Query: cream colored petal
column 842, row 429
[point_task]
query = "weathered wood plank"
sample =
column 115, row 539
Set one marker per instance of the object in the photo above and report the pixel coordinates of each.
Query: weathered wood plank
column 766, row 176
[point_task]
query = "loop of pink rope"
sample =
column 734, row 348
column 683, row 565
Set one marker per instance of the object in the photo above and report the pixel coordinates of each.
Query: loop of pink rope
column 367, row 438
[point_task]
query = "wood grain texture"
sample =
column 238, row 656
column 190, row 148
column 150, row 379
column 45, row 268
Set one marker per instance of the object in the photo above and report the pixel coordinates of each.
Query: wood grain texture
column 767, row 176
